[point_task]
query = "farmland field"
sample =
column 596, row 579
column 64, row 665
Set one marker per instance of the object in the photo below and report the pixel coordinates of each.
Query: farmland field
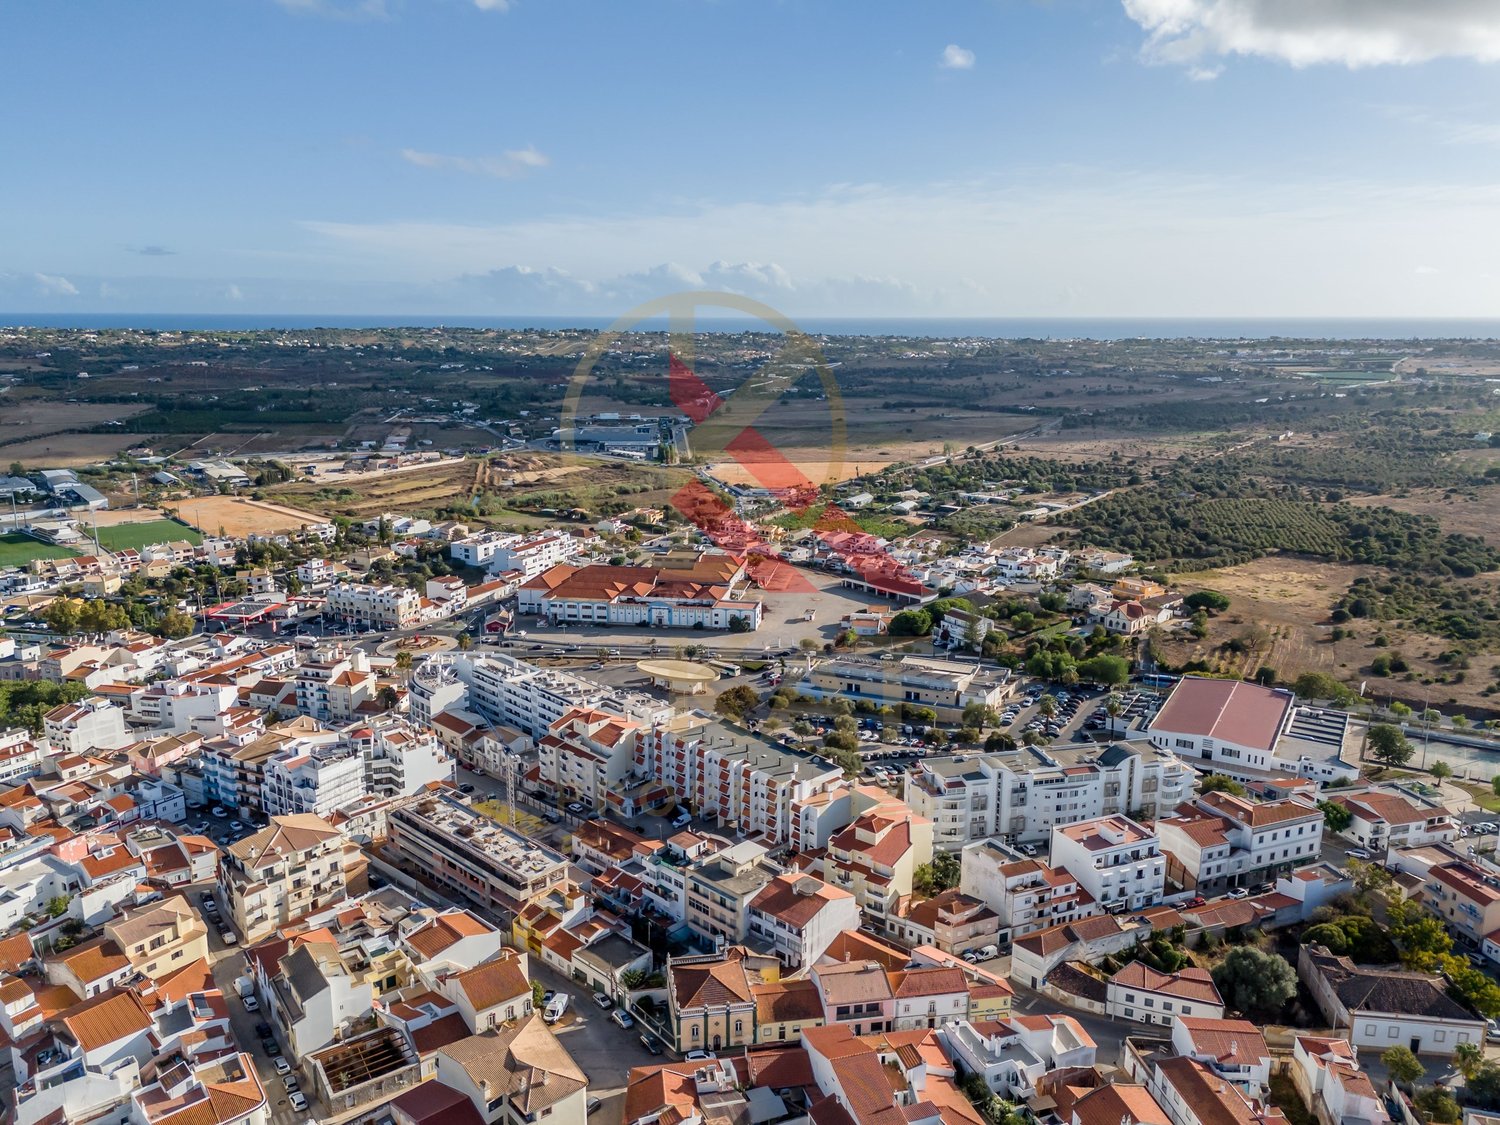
column 137, row 535
column 18, row 550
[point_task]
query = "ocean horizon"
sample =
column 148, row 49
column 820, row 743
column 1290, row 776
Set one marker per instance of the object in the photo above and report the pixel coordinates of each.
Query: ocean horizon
column 999, row 328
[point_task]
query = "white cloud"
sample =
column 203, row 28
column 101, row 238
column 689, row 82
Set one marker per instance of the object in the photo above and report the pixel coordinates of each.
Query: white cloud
column 507, row 166
column 54, row 286
column 1306, row 32
column 1426, row 271
column 957, row 58
column 233, row 293
column 338, row 9
column 492, row 5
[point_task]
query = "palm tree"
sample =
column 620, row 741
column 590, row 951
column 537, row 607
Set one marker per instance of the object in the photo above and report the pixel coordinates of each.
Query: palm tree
column 403, row 661
column 1113, row 706
column 1468, row 1057
column 1047, row 705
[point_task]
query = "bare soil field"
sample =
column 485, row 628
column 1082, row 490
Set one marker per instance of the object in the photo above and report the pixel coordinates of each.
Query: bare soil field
column 239, row 516
column 113, row 517
column 34, row 431
column 1282, row 604
column 1457, row 512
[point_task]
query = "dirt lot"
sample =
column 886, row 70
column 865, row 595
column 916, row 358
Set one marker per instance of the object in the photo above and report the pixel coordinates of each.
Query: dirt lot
column 1290, row 600
column 34, row 432
column 238, row 516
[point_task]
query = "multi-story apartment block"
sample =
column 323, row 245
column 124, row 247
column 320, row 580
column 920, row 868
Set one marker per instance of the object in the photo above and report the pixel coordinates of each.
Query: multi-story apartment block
column 486, row 861
column 1222, row 841
column 1465, row 897
column 528, row 555
column 85, row 726
column 721, row 888
column 797, row 917
column 315, row 572
column 875, row 859
column 1024, row 794
column 379, row 607
column 502, row 689
column 400, row 760
column 333, row 683
column 313, row 779
column 588, row 754
column 1115, row 859
column 1251, row 732
column 288, row 869
column 946, row 686
column 1027, row 894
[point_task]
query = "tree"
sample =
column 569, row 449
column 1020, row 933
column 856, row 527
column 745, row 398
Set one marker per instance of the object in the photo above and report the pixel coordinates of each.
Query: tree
column 1422, row 938
column 63, row 614
column 387, row 697
column 57, row 906
column 999, row 740
column 939, row 875
column 1047, row 706
column 737, row 702
column 1467, row 1057
column 538, row 994
column 1403, row 1066
column 465, row 642
column 739, row 623
column 631, row 979
column 911, row 623
column 1495, row 785
column 1437, row 1105
column 1319, row 685
column 1218, row 783
column 1400, row 710
column 1254, row 982
column 1207, row 599
column 1336, row 818
column 980, row 715
column 1104, row 669
column 174, row 624
column 1441, row 770
column 1484, row 1087
column 1388, row 745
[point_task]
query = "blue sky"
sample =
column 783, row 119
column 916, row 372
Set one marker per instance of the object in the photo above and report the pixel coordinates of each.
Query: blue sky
column 867, row 157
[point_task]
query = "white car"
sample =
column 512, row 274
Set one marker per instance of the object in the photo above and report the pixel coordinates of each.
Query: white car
column 699, row 1056
column 1357, row 853
column 251, row 1003
column 298, row 1100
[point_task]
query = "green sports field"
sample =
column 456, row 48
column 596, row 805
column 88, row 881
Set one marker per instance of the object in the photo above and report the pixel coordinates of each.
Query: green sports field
column 18, row 550
column 119, row 536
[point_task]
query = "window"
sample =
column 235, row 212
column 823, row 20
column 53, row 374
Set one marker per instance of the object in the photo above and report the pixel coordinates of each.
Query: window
column 1392, row 1032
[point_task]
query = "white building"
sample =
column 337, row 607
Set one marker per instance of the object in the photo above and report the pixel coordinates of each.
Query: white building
column 1115, row 859
column 1027, row 894
column 380, row 607
column 1251, row 732
column 1139, row 992
column 1235, row 1050
column 1023, row 795
column 1381, row 820
column 313, row 779
column 798, row 916
column 85, row 726
column 1224, row 841
column 504, row 553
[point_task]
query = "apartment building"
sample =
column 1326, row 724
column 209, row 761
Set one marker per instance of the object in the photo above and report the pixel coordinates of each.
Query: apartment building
column 875, row 859
column 720, row 889
column 333, row 683
column 1139, row 992
column 377, row 607
column 161, row 937
column 587, row 754
column 400, row 760
column 506, row 553
column 1027, row 894
column 950, row 921
column 234, row 768
column 945, row 686
column 1022, row 795
column 745, row 781
column 315, row 779
column 1251, row 732
column 505, row 690
column 1381, row 820
column 85, row 726
column 797, row 917
column 479, row 857
column 1115, row 859
column 289, row 869
column 1220, row 840
column 1465, row 897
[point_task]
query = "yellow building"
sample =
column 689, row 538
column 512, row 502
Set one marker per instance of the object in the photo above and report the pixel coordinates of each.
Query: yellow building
column 160, row 938
column 710, row 998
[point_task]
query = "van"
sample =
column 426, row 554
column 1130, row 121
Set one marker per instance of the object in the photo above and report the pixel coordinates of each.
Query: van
column 989, row 952
column 555, row 1008
column 682, row 819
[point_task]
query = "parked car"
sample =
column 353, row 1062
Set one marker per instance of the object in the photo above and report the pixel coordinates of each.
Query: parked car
column 1357, row 853
column 229, row 937
column 281, row 1065
column 623, row 1018
column 594, row 1102
column 290, row 1082
column 251, row 1003
column 1238, row 892
column 263, row 1029
column 651, row 1045
column 466, row 787
column 298, row 1101
column 576, row 808
column 603, row 1001
column 699, row 1056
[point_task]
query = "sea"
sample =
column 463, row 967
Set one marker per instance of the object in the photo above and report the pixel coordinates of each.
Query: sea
column 998, row 328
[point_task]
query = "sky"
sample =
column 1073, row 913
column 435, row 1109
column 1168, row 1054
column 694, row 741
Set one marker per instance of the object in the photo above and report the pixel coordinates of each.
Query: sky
column 829, row 157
